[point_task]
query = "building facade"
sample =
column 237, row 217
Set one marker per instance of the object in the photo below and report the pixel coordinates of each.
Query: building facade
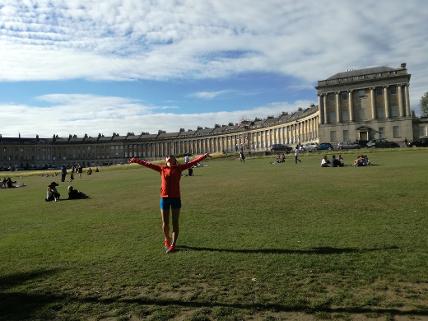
column 255, row 135
column 364, row 104
column 356, row 105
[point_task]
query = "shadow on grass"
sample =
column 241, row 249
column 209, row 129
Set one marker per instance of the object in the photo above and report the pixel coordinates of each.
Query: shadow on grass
column 60, row 300
column 20, row 306
column 314, row 250
column 25, row 306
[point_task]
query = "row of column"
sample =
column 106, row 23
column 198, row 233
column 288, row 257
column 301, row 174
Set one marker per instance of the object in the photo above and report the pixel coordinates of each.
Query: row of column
column 293, row 133
column 300, row 131
column 404, row 111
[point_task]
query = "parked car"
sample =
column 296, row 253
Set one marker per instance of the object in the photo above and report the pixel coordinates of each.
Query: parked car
column 348, row 145
column 310, row 147
column 325, row 146
column 381, row 143
column 421, row 142
column 275, row 148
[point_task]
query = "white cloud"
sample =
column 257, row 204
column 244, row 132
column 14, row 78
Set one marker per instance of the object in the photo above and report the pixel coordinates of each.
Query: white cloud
column 79, row 114
column 210, row 94
column 136, row 39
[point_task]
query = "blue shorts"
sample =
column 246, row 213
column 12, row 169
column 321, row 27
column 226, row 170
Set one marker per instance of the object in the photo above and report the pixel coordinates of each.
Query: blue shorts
column 169, row 202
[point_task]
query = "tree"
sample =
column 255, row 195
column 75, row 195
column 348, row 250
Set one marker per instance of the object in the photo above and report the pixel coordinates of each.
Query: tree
column 424, row 105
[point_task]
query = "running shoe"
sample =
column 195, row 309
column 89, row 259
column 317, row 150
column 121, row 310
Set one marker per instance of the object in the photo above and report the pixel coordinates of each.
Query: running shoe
column 170, row 249
column 166, row 244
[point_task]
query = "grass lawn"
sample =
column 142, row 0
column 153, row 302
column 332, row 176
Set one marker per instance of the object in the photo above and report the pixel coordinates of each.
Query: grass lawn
column 258, row 242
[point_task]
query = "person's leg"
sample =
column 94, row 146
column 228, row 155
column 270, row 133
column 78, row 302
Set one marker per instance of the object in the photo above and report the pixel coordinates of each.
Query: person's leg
column 165, row 224
column 175, row 224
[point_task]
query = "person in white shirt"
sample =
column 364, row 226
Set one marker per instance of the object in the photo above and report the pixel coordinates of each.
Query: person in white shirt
column 325, row 162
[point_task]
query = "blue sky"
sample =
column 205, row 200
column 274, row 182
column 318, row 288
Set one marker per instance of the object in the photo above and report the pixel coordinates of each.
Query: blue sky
column 76, row 67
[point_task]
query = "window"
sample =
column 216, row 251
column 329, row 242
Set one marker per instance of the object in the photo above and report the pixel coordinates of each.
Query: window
column 333, row 136
column 346, row 135
column 393, row 90
column 344, row 96
column 396, row 131
column 381, row 132
column 379, row 91
column 361, row 93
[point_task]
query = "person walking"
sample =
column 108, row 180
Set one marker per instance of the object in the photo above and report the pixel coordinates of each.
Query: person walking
column 190, row 169
column 170, row 198
column 296, row 154
column 63, row 173
column 242, row 156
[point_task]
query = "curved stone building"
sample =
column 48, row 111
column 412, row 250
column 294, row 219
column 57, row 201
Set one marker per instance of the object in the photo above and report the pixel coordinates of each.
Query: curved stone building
column 255, row 135
column 355, row 105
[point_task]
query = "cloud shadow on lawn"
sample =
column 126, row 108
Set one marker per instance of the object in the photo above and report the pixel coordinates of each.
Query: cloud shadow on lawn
column 313, row 250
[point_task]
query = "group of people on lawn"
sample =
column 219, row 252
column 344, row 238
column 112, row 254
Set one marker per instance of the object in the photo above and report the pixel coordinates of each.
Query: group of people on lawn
column 334, row 162
column 52, row 193
column 75, row 169
column 7, row 183
column 361, row 160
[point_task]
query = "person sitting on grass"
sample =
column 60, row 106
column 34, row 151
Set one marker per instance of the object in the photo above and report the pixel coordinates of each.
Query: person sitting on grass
column 74, row 194
column 362, row 160
column 170, row 200
column 9, row 183
column 335, row 161
column 325, row 162
column 342, row 161
column 52, row 193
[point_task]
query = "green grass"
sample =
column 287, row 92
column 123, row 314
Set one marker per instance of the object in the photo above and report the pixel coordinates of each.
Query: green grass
column 258, row 242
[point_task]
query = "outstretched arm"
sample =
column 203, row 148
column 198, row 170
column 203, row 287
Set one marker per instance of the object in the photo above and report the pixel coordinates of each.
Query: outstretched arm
column 194, row 162
column 136, row 160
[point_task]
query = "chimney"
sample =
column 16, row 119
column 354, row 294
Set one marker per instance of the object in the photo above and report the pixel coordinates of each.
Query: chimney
column 403, row 65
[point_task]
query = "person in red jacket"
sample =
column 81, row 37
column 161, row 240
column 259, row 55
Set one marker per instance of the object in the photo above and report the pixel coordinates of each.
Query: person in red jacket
column 170, row 200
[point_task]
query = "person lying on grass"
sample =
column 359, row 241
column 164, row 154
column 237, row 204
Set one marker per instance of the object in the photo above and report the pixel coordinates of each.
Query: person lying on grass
column 170, row 200
column 74, row 194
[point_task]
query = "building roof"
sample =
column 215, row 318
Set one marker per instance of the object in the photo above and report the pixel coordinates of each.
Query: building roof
column 360, row 72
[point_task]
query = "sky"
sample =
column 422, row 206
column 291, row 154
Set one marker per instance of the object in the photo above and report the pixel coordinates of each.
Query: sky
column 89, row 67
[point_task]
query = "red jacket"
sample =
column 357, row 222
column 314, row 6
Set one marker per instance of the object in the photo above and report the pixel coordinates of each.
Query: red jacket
column 170, row 176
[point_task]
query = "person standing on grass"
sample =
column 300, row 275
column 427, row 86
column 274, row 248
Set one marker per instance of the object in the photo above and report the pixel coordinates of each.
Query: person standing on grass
column 63, row 173
column 296, row 154
column 190, row 169
column 170, row 200
column 242, row 156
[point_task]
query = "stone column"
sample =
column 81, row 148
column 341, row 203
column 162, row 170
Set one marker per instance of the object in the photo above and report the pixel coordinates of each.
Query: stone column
column 385, row 100
column 400, row 101
column 372, row 103
column 337, row 108
column 296, row 133
column 306, row 130
column 324, row 102
column 350, row 107
column 265, row 140
column 320, row 108
column 407, row 100
column 312, row 128
column 287, row 137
